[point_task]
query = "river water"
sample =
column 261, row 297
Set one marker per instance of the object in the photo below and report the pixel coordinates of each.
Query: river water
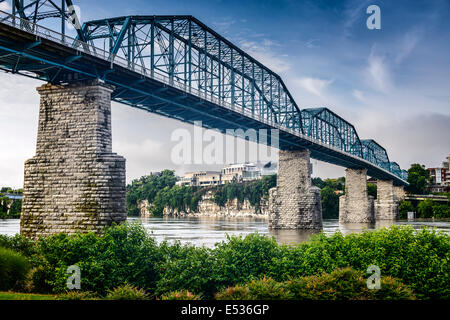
column 208, row 231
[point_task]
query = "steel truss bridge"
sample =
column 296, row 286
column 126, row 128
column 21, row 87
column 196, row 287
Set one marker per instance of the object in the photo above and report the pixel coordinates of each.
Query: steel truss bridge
column 178, row 67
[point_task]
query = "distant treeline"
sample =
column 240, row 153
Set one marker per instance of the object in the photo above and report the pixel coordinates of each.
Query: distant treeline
column 161, row 191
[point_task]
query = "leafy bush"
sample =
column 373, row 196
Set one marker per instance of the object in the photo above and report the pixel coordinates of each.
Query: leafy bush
column 341, row 284
column 19, row 243
column 420, row 259
column 180, row 295
column 13, row 269
column 242, row 259
column 205, row 271
column 125, row 253
column 346, row 284
column 77, row 295
column 187, row 268
column 127, row 292
column 263, row 289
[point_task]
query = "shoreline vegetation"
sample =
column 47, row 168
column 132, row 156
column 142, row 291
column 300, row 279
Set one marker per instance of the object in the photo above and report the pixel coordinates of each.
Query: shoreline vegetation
column 127, row 263
column 163, row 197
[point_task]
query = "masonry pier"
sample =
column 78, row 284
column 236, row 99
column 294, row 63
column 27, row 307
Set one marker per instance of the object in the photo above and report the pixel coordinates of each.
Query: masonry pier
column 356, row 206
column 294, row 203
column 386, row 204
column 74, row 183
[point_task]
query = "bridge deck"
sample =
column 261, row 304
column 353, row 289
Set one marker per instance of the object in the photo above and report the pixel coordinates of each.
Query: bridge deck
column 37, row 52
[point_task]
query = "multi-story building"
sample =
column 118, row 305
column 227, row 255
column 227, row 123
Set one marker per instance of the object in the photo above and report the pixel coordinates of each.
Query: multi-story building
column 200, row 178
column 240, row 172
column 209, row 178
column 232, row 173
column 440, row 177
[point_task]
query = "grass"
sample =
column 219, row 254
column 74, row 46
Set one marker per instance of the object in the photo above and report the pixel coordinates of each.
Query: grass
column 25, row 296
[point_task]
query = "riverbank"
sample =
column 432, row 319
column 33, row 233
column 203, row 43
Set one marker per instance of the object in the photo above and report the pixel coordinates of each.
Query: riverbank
column 127, row 261
column 207, row 231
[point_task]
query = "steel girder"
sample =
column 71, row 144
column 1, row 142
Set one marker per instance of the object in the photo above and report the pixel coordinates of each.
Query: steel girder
column 375, row 153
column 183, row 50
column 188, row 52
column 36, row 10
column 324, row 125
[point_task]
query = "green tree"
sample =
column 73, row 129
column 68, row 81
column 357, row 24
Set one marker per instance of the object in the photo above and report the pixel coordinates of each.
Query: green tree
column 318, row 182
column 404, row 207
column 425, row 208
column 441, row 211
column 372, row 190
column 330, row 203
column 418, row 179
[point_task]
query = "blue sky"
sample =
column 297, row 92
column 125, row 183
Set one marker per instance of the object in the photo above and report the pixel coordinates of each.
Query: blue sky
column 392, row 84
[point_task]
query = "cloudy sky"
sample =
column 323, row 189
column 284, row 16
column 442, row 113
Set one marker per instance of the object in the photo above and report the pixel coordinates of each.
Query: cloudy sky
column 392, row 84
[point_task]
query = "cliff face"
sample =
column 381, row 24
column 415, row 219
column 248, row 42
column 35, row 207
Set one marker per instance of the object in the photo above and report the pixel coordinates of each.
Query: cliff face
column 207, row 207
column 145, row 209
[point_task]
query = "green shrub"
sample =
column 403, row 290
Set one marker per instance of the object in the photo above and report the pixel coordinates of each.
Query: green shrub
column 180, row 295
column 127, row 292
column 242, row 259
column 238, row 292
column 263, row 289
column 341, row 284
column 205, row 271
column 127, row 254
column 187, row 268
column 77, row 295
column 18, row 243
column 124, row 254
column 419, row 258
column 13, row 269
column 346, row 284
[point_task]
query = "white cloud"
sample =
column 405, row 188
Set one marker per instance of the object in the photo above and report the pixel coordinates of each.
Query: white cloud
column 315, row 86
column 407, row 44
column 359, row 95
column 263, row 52
column 5, row 6
column 378, row 73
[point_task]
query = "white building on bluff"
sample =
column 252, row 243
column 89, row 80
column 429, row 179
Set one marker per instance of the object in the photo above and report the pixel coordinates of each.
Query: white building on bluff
column 231, row 173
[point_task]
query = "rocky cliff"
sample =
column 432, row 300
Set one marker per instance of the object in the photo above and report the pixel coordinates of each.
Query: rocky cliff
column 208, row 208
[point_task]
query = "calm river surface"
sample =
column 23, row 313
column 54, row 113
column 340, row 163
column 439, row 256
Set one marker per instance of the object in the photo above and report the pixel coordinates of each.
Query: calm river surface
column 207, row 231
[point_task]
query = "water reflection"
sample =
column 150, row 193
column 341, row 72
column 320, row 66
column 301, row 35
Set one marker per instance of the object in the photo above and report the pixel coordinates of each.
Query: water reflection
column 210, row 230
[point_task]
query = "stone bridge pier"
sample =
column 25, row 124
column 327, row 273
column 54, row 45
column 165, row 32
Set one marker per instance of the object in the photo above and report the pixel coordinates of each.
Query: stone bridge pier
column 386, row 204
column 356, row 206
column 294, row 203
column 399, row 193
column 74, row 183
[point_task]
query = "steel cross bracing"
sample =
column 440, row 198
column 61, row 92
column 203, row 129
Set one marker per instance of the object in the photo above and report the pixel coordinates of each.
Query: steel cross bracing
column 178, row 67
column 188, row 52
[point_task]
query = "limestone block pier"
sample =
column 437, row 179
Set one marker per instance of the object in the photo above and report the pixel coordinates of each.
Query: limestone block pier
column 74, row 183
column 294, row 203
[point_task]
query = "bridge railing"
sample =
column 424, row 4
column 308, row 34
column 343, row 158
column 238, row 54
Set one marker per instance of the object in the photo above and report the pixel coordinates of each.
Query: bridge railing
column 49, row 34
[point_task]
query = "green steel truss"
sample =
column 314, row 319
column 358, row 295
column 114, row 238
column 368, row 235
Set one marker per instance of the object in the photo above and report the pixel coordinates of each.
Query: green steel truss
column 191, row 57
